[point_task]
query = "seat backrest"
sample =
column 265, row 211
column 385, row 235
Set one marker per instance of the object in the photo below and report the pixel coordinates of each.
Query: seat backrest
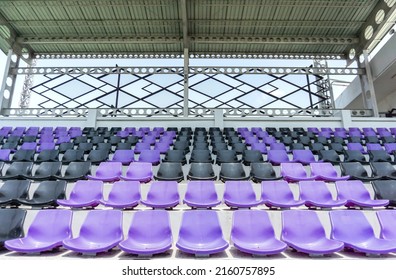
column 201, row 170
column 48, row 168
column 350, row 226
column 163, row 191
column 253, row 225
column 387, row 221
column 51, row 225
column 109, row 169
column 314, row 190
column 139, row 169
column 19, row 168
column 353, row 169
column 125, row 190
column 200, row 226
column 276, row 191
column 262, row 170
column 76, row 168
column 14, row 189
column 301, row 226
column 353, row 189
column 102, row 226
column 201, row 189
column 50, row 190
column 382, row 169
column 232, row 170
column 323, row 168
column 11, row 221
column 87, row 190
column 385, row 189
column 278, row 156
column 152, row 226
column 239, row 190
column 293, row 169
column 170, row 170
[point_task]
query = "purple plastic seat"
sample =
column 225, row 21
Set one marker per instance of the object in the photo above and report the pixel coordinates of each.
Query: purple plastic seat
column 123, row 133
column 325, row 171
column 260, row 147
column 252, row 233
column 303, row 156
column 269, row 140
column 162, row 147
column 200, row 233
column 278, row 157
column 201, row 194
column 63, row 139
column 340, row 133
column 255, row 130
column 277, row 194
column 100, row 232
column 374, row 147
column 5, row 154
column 251, row 140
column 303, row 231
column 28, row 146
column 262, row 134
column 162, row 194
column 139, row 171
column 313, row 129
column 107, row 172
column 357, row 195
column 150, row 139
column 387, row 221
column 353, row 228
column 316, row 194
column 46, row 146
column 47, row 231
column 123, row 194
column 84, row 194
column 139, row 147
column 277, row 146
column 149, row 233
column 356, row 147
column 240, row 194
column 151, row 156
column 295, row 172
column 123, row 156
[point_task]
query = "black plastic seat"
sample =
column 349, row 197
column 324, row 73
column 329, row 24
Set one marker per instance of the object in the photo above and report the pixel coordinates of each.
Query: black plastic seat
column 201, row 171
column 305, row 140
column 263, row 171
column 200, row 146
column 10, row 145
column 337, row 139
column 297, row 146
column 24, row 155
column 239, row 148
column 124, row 146
column 379, row 156
column 219, row 146
column 85, row 147
column 175, row 156
column 103, row 146
column 97, row 139
column 133, row 139
column 76, row 171
column 12, row 190
column 46, row 194
column 226, row 156
column 98, row 156
column 385, row 189
column 170, row 171
column 338, row 147
column 287, row 140
column 29, row 139
column 114, row 140
column 80, row 139
column 17, row 170
column 1, row 166
column 48, row 155
column 232, row 172
column 354, row 139
column 354, row 156
column 329, row 156
column 251, row 156
column 13, row 139
column 11, row 221
column 388, row 139
column 322, row 140
column 46, row 171
column 182, row 145
column 203, row 156
column 73, row 155
column 232, row 140
column 316, row 147
column 63, row 147
column 87, row 130
column 385, row 170
column 356, row 171
column 372, row 139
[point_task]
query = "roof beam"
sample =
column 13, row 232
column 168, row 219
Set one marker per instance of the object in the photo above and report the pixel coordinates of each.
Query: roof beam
column 183, row 15
column 85, row 3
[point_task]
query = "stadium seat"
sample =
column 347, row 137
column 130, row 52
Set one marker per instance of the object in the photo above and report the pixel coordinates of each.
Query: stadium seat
column 100, row 232
column 46, row 194
column 11, row 221
column 303, row 156
column 5, row 155
column 303, row 231
column 201, row 171
column 175, row 156
column 123, row 156
column 46, row 171
column 383, row 170
column 277, row 194
column 201, row 234
column 203, row 156
column 251, row 156
column 385, row 190
column 138, row 171
column 317, row 195
column 232, row 172
column 47, row 231
column 353, row 229
column 17, row 170
column 23, row 155
column 337, row 147
column 240, row 194
column 170, row 171
column 253, row 233
column 107, row 172
column 379, row 156
column 294, row 172
column 149, row 233
column 226, row 156
column 123, row 195
column 356, row 171
column 325, row 171
column 84, row 194
column 162, row 194
column 357, row 195
column 73, row 155
column 139, row 147
column 278, row 157
column 47, row 155
column 76, row 171
column 387, row 220
column 63, row 147
column 263, row 171
column 201, row 194
column 329, row 156
column 13, row 190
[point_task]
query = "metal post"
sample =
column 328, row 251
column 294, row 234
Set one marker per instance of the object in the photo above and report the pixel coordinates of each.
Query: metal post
column 185, row 73
column 8, row 85
column 368, row 91
column 24, row 99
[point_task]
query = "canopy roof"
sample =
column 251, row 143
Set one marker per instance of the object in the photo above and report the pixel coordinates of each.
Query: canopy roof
column 332, row 27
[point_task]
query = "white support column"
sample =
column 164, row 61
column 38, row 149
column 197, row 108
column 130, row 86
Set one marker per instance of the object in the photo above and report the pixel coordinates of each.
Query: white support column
column 9, row 79
column 218, row 118
column 346, row 118
column 368, row 91
column 92, row 118
column 185, row 82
